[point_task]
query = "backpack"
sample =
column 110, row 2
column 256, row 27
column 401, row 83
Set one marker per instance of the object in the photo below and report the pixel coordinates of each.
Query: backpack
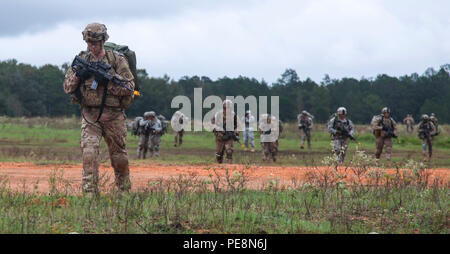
column 130, row 55
column 164, row 124
column 135, row 126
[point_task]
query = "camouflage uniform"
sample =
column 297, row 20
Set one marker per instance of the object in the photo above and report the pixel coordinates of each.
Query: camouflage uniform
column 426, row 131
column 143, row 137
column 305, row 124
column 111, row 126
column 380, row 125
column 178, row 119
column 155, row 131
column 249, row 121
column 224, row 142
column 409, row 122
column 270, row 147
column 340, row 130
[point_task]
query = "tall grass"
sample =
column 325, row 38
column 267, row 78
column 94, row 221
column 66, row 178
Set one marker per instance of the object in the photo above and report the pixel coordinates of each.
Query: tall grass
column 328, row 201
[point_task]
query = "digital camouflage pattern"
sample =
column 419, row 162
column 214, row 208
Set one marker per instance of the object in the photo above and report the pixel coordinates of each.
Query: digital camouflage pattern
column 340, row 141
column 305, row 124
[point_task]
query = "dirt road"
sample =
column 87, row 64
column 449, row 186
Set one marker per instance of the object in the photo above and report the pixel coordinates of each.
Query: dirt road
column 40, row 178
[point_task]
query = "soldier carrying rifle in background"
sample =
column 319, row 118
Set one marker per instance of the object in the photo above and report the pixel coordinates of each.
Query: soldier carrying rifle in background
column 426, row 131
column 225, row 128
column 384, row 128
column 341, row 130
column 409, row 122
column 305, row 124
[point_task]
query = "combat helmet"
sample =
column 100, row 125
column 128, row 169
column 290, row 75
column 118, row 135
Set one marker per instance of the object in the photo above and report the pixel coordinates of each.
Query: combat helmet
column 425, row 117
column 149, row 114
column 342, row 111
column 386, row 110
column 227, row 104
column 95, row 32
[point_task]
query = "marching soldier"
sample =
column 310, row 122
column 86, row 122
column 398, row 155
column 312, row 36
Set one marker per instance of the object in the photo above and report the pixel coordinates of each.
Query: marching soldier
column 270, row 129
column 154, row 130
column 103, row 105
column 341, row 129
column 384, row 128
column 305, row 124
column 409, row 122
column 426, row 131
column 249, row 121
column 143, row 136
column 178, row 122
column 225, row 125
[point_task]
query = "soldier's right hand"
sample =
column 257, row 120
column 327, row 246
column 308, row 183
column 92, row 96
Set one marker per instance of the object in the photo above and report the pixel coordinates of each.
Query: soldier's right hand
column 83, row 73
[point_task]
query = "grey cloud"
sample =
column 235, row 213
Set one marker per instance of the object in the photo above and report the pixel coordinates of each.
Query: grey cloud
column 21, row 16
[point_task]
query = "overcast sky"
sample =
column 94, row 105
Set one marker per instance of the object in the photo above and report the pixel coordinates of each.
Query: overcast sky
column 253, row 38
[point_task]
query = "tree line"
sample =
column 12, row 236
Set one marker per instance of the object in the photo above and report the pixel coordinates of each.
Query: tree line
column 28, row 90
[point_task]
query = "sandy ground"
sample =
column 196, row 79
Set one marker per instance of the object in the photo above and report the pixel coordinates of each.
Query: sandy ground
column 32, row 177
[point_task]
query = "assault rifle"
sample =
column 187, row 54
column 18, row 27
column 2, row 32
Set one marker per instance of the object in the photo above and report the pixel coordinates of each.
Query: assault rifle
column 101, row 69
column 230, row 134
column 344, row 132
column 389, row 132
column 148, row 129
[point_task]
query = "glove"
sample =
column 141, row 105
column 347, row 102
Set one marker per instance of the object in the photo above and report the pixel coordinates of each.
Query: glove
column 83, row 73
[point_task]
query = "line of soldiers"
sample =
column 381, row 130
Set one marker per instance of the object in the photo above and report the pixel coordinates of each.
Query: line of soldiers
column 149, row 128
column 225, row 137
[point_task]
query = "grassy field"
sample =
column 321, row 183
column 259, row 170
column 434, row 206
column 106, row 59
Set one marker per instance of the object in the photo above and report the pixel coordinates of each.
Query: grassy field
column 45, row 140
column 188, row 204
column 397, row 204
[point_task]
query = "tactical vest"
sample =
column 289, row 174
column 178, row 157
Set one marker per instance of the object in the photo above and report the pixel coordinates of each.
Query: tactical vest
column 346, row 124
column 88, row 97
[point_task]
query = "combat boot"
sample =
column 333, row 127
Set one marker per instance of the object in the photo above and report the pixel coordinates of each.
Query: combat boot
column 302, row 147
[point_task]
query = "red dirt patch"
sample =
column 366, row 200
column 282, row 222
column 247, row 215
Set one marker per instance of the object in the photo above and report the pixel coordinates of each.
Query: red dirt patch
column 31, row 177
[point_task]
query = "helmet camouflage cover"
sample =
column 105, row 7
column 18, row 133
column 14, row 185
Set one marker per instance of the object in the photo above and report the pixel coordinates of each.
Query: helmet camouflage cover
column 95, row 32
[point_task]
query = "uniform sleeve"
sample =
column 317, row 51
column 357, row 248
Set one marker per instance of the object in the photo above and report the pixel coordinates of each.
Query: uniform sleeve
column 330, row 126
column 71, row 81
column 122, row 72
column 157, row 126
column 310, row 123
column 352, row 128
column 374, row 123
column 433, row 128
column 394, row 124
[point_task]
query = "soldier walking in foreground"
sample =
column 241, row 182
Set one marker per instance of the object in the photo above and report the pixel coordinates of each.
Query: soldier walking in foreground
column 409, row 122
column 341, row 129
column 143, row 136
column 305, row 124
column 426, row 131
column 103, row 103
column 249, row 121
column 225, row 124
column 384, row 128
column 154, row 130
column 270, row 129
column 178, row 120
